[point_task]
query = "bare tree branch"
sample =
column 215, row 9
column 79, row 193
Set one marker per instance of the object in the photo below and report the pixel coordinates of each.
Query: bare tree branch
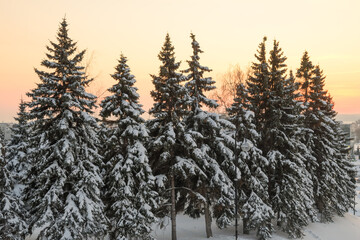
column 229, row 81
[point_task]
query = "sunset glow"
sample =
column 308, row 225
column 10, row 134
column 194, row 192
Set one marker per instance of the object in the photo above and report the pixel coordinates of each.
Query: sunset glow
column 229, row 32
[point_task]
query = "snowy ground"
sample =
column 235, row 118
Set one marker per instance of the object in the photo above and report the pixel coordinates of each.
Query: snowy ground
column 346, row 228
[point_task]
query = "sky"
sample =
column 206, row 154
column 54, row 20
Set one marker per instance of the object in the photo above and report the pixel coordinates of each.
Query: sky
column 228, row 32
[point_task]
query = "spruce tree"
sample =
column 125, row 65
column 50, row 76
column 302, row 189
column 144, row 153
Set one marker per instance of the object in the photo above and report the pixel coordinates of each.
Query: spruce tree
column 130, row 200
column 341, row 175
column 207, row 150
column 18, row 149
column 12, row 224
column 63, row 188
column 334, row 191
column 346, row 177
column 253, row 182
column 289, row 183
column 167, row 129
column 14, row 172
column 300, row 134
column 323, row 145
column 305, row 74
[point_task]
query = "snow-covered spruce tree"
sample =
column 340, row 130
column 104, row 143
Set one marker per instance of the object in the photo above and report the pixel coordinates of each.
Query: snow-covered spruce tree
column 305, row 73
column 14, row 172
column 12, row 224
column 253, row 184
column 17, row 154
column 290, row 186
column 5, row 186
column 323, row 144
column 207, row 150
column 166, row 146
column 12, row 220
column 130, row 200
column 301, row 135
column 334, row 159
column 62, row 192
column 342, row 178
column 345, row 178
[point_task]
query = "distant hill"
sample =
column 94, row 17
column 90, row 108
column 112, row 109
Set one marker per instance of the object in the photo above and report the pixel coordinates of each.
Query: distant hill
column 348, row 118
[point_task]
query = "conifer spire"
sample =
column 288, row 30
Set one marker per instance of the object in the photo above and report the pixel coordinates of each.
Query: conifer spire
column 167, row 129
column 305, row 73
column 14, row 167
column 130, row 200
column 259, row 86
column 197, row 85
column 169, row 95
column 207, row 147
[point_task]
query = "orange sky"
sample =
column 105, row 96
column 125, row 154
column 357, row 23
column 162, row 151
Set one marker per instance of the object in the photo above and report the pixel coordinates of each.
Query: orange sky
column 228, row 31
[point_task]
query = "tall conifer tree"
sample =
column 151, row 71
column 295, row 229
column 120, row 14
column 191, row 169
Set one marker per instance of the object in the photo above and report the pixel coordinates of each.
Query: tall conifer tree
column 333, row 189
column 290, row 186
column 167, row 128
column 305, row 74
column 253, row 182
column 18, row 149
column 129, row 181
column 63, row 187
column 14, row 171
column 346, row 177
column 323, row 136
column 207, row 150
column 12, row 224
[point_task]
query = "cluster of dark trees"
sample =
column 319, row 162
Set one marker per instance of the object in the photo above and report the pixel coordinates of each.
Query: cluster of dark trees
column 278, row 156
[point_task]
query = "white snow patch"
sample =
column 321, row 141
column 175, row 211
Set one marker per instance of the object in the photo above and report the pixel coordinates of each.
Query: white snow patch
column 346, row 228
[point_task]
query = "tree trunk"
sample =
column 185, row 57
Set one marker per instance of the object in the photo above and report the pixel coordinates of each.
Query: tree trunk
column 173, row 210
column 207, row 218
column 320, row 207
column 245, row 227
column 278, row 223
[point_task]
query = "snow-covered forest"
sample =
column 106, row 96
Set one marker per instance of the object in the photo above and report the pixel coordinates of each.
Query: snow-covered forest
column 276, row 158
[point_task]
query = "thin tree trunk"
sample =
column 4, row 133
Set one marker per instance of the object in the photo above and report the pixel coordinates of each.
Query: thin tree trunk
column 278, row 219
column 173, row 210
column 320, row 207
column 245, row 227
column 207, row 218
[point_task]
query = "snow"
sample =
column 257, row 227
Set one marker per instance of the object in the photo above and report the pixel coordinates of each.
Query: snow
column 18, row 189
column 160, row 180
column 344, row 228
